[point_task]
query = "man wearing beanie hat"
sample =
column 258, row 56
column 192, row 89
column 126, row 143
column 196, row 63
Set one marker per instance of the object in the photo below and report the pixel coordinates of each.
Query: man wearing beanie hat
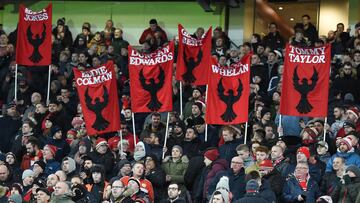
column 49, row 157
column 15, row 198
column 352, row 116
column 213, row 165
column 252, row 193
column 236, row 179
column 59, row 142
column 27, row 179
column 222, row 192
column 346, row 151
column 175, row 166
column 348, row 192
column 265, row 116
column 68, row 165
column 103, row 156
column 196, row 96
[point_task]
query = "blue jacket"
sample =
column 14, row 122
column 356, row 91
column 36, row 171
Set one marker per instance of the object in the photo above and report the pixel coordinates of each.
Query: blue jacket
column 351, row 158
column 292, row 190
column 237, row 183
column 51, row 166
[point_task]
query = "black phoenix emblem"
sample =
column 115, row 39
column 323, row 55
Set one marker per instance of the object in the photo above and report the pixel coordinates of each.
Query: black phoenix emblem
column 100, row 122
column 304, row 88
column 153, row 88
column 188, row 76
column 230, row 99
column 36, row 56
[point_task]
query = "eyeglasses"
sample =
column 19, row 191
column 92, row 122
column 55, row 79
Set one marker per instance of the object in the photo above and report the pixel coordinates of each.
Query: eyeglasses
column 173, row 188
column 117, row 187
column 235, row 162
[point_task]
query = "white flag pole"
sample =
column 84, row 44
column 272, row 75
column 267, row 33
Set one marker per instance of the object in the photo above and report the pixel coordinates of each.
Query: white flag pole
column 166, row 134
column 325, row 123
column 181, row 101
column 206, row 125
column 246, row 131
column 133, row 124
column 48, row 89
column 16, row 76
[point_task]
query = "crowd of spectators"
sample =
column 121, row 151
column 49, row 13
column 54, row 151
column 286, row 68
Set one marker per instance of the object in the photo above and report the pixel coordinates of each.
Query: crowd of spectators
column 47, row 156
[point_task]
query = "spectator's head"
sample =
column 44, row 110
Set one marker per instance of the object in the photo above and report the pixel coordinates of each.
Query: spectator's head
column 243, row 151
column 272, row 57
column 97, row 173
column 353, row 136
column 155, row 120
column 76, row 180
column 42, row 195
column 39, row 167
column 138, row 169
column 237, row 164
column 319, row 125
column 88, row 163
column 49, row 152
column 16, row 188
column 56, row 132
column 252, row 186
column 356, row 54
column 303, row 154
column 151, row 162
column 262, row 153
column 68, row 165
column 199, row 32
column 196, row 109
column 35, row 98
column 10, row 158
column 210, row 156
column 322, row 148
column 277, row 152
column 349, row 126
column 53, row 106
column 176, row 152
column 96, row 61
column 228, row 133
column 134, row 184
column 190, row 134
column 265, row 167
column 40, row 108
column 305, row 19
column 302, row 170
column 353, row 171
column 61, row 174
column 254, row 145
column 344, row 145
column 124, row 167
column 339, row 112
column 340, row 27
column 83, row 57
column 173, row 191
column 118, row 33
column 281, row 143
column 117, row 188
column 352, row 114
column 27, row 128
column 309, row 135
column 259, row 136
column 51, row 181
column 338, row 164
column 28, row 177
column 101, row 145
column 153, row 24
column 199, row 124
column 62, row 188
column 269, row 131
column 140, row 151
column 273, row 27
column 15, row 198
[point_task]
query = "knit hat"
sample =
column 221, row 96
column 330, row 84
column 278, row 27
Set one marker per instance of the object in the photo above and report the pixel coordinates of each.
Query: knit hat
column 211, row 154
column 324, row 144
column 349, row 123
column 354, row 169
column 44, row 190
column 179, row 148
column 113, row 142
column 313, row 133
column 97, row 169
column 11, row 154
column 77, row 121
column 345, row 141
column 199, row 105
column 71, row 132
column 15, row 198
column 122, row 163
column 61, row 21
column 264, row 111
column 223, row 183
column 100, row 141
column 72, row 164
column 354, row 111
column 305, row 151
column 198, row 89
column 54, row 130
column 41, row 164
column 266, row 163
column 39, row 182
column 27, row 173
column 52, row 148
column 18, row 186
column 252, row 186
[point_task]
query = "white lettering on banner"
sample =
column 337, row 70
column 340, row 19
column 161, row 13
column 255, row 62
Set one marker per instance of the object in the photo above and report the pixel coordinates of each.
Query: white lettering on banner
column 160, row 56
column 188, row 40
column 35, row 16
column 303, row 55
column 94, row 76
column 230, row 71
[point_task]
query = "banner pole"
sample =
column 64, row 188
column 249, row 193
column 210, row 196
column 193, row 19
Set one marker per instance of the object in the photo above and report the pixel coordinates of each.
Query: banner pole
column 48, row 89
column 166, row 134
column 121, row 142
column 206, row 125
column 325, row 129
column 16, row 76
column 246, row 131
column 133, row 124
column 280, row 125
column 181, row 101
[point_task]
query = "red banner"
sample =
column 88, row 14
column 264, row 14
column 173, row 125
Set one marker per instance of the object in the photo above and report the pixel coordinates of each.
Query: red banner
column 305, row 85
column 33, row 47
column 98, row 97
column 194, row 57
column 228, row 93
column 151, row 79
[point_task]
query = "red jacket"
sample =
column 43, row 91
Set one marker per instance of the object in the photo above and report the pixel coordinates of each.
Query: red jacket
column 28, row 161
column 149, row 31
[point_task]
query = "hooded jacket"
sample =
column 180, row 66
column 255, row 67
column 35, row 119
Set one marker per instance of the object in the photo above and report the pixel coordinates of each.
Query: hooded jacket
column 292, row 190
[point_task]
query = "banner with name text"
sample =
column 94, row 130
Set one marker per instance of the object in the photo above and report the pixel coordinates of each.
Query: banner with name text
column 97, row 90
column 194, row 57
column 305, row 85
column 151, row 79
column 228, row 93
column 33, row 47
